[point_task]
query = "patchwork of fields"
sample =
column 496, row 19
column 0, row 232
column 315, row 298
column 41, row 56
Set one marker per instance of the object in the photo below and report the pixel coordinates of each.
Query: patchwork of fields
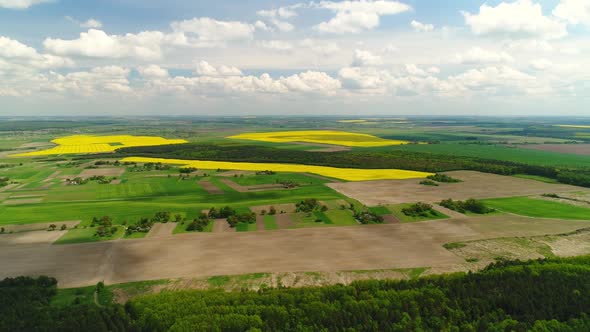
column 65, row 190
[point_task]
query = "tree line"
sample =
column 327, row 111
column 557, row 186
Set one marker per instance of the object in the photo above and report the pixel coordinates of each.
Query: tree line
column 541, row 295
column 417, row 161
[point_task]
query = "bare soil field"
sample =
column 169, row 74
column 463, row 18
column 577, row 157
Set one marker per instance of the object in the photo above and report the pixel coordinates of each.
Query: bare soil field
column 474, row 185
column 31, row 238
column 117, row 181
column 288, row 208
column 259, row 223
column 210, row 187
column 221, row 226
column 284, row 221
column 87, row 173
column 309, row 249
column 244, row 189
column 390, row 219
column 581, row 149
column 161, row 230
column 230, row 174
column 52, row 176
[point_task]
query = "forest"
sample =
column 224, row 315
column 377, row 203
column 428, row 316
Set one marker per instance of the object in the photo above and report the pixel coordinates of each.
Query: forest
column 416, row 161
column 540, row 295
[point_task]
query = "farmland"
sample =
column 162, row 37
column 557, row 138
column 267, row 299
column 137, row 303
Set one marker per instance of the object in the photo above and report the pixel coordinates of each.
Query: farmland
column 321, row 137
column 62, row 182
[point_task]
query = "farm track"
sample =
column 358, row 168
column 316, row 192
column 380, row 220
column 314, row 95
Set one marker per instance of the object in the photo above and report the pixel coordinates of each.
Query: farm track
column 309, row 249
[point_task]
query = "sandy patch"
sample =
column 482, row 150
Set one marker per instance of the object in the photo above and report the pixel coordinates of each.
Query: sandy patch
column 390, row 219
column 88, row 173
column 9, row 187
column 260, row 223
column 474, row 185
column 229, row 174
column 117, row 181
column 52, row 176
column 27, row 196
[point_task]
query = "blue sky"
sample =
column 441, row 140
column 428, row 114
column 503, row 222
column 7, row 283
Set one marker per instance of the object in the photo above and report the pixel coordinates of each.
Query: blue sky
column 355, row 57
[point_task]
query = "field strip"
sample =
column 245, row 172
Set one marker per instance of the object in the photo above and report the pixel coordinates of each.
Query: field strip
column 326, row 137
column 308, row 249
column 348, row 174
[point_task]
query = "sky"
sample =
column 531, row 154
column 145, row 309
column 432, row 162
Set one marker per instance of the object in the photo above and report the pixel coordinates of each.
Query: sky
column 295, row 57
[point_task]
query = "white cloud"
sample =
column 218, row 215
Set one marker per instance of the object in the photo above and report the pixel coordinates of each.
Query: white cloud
column 205, row 69
column 20, row 4
column 574, row 11
column 277, row 45
column 96, row 43
column 365, row 58
column 541, row 64
column 495, row 80
column 153, row 71
column 517, row 20
column 321, row 47
column 421, row 27
column 477, row 55
column 277, row 17
column 356, row 16
column 108, row 79
column 210, row 30
column 91, row 23
column 21, row 54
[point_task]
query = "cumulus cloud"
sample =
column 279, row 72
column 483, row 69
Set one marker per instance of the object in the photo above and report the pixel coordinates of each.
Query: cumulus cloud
column 357, row 16
column 206, row 29
column 205, row 69
column 517, row 20
column 277, row 17
column 421, row 27
column 365, row 58
column 20, row 4
column 541, row 64
column 477, row 55
column 573, row 11
column 107, row 79
column 21, row 54
column 495, row 80
column 153, row 71
column 96, row 43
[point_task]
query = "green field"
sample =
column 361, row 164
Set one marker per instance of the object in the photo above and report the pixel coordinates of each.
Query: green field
column 80, row 235
column 531, row 207
column 301, row 179
column 270, row 223
column 396, row 210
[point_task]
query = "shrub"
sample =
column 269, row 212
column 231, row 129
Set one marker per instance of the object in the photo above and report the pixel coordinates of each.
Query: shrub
column 429, row 183
column 443, row 178
column 418, row 210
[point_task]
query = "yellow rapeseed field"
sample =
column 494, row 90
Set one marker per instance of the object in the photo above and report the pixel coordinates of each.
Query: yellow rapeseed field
column 79, row 144
column 320, row 136
column 573, row 126
column 348, row 174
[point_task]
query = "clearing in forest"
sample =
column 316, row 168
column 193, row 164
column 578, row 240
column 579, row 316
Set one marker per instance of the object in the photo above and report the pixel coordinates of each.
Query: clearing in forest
column 348, row 174
column 321, row 137
column 79, row 144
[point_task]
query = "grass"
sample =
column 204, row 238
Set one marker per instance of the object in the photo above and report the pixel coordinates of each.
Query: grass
column 531, row 207
column 270, row 223
column 380, row 210
column 245, row 227
column 81, row 235
column 536, row 178
column 396, row 210
column 301, row 179
column 135, row 235
column 341, row 217
column 68, row 296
